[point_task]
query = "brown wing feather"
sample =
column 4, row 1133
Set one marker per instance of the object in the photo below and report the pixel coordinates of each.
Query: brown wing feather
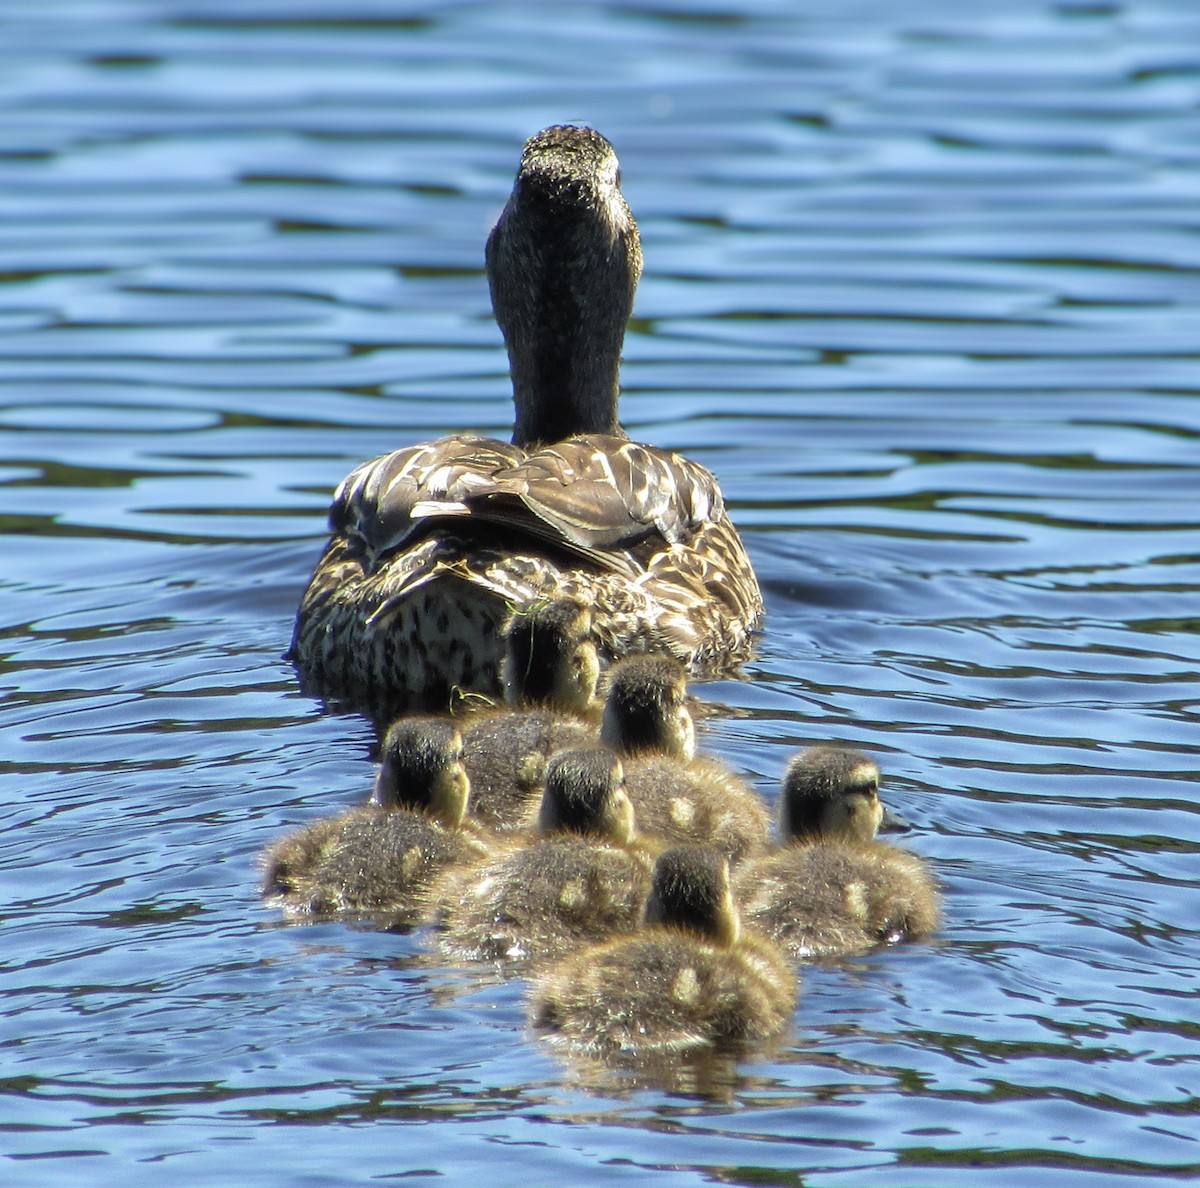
column 651, row 520
column 375, row 503
column 607, row 500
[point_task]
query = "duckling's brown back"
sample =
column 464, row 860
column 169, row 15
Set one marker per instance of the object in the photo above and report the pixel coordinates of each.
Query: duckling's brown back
column 696, row 802
column 664, row 990
column 505, row 756
column 837, row 897
column 542, row 900
column 904, row 899
column 375, row 860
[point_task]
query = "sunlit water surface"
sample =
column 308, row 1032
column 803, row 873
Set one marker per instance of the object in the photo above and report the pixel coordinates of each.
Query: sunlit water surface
column 922, row 287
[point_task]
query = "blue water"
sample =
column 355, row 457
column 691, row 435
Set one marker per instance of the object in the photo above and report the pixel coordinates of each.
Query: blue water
column 922, row 288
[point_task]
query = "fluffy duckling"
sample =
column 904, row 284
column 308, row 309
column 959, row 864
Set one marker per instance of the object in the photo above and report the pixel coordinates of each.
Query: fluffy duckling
column 551, row 670
column 378, row 858
column 832, row 888
column 689, row 979
column 550, row 658
column 582, row 879
column 678, row 797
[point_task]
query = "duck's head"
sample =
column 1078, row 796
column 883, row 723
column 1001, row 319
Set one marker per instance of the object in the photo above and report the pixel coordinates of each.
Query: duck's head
column 830, row 792
column 421, row 767
column 690, row 890
column 646, row 709
column 585, row 793
column 550, row 657
column 563, row 262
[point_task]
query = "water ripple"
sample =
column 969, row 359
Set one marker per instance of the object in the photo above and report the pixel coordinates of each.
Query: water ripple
column 920, row 286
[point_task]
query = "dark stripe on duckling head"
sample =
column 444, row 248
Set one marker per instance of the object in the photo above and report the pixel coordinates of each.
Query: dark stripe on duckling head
column 414, row 759
column 646, row 698
column 690, row 890
column 816, row 781
column 585, row 793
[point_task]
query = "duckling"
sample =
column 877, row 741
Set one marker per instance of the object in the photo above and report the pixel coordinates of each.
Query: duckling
column 550, row 658
column 832, row 888
column 377, row 858
column 551, row 670
column 678, row 797
column 432, row 544
column 582, row 878
column 690, row 979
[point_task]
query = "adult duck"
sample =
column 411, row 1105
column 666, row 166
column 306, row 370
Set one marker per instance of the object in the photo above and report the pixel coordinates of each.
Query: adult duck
column 433, row 546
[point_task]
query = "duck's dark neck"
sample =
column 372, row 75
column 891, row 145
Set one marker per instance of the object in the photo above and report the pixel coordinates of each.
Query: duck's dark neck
column 564, row 380
column 563, row 263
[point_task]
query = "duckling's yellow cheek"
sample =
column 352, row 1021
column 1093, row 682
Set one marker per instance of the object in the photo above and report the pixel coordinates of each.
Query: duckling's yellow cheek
column 459, row 794
column 685, row 990
column 586, row 672
column 687, row 735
